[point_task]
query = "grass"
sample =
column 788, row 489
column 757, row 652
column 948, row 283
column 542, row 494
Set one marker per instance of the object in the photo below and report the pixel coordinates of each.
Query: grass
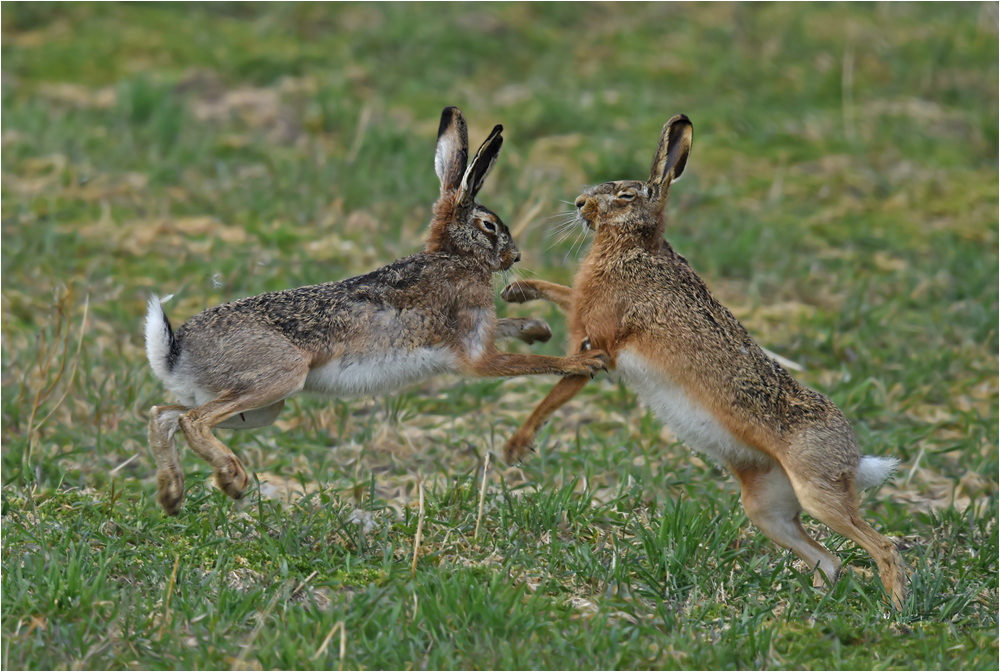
column 841, row 199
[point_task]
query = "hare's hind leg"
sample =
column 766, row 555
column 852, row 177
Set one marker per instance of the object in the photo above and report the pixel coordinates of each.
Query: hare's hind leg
column 197, row 425
column 771, row 505
column 835, row 504
column 163, row 424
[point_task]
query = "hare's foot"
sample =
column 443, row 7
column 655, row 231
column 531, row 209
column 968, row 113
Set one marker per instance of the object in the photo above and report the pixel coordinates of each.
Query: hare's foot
column 822, row 581
column 163, row 425
column 533, row 329
column 232, row 478
column 519, row 291
column 527, row 329
column 518, row 446
column 588, row 363
column 170, row 490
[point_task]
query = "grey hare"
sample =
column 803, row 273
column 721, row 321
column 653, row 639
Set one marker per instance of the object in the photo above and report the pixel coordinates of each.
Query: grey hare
column 696, row 367
column 235, row 364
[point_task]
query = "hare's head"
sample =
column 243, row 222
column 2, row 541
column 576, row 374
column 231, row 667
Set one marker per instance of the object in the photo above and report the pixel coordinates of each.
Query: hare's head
column 636, row 208
column 461, row 226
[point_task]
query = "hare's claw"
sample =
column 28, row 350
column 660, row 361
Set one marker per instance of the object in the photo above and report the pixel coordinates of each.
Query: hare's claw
column 517, row 448
column 601, row 357
column 594, row 361
column 586, row 346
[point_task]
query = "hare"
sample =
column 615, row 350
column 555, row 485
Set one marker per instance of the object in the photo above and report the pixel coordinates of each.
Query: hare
column 700, row 372
column 235, row 364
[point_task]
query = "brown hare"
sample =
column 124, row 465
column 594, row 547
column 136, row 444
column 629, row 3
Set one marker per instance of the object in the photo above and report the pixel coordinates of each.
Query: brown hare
column 235, row 364
column 700, row 372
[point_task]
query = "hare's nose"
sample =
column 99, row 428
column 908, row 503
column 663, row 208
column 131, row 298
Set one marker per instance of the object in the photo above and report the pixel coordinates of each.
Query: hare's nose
column 580, row 201
column 517, row 256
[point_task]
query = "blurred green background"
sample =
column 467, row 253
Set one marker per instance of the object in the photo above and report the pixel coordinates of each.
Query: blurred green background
column 841, row 199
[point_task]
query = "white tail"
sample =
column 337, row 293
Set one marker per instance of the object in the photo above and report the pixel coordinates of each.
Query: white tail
column 875, row 471
column 159, row 338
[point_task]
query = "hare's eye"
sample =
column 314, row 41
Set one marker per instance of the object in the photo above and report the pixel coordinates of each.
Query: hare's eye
column 626, row 196
column 488, row 225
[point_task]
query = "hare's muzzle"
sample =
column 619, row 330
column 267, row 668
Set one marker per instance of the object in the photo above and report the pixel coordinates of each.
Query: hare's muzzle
column 587, row 209
column 509, row 257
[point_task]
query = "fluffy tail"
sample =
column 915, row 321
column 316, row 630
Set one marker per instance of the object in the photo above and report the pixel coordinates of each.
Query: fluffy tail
column 875, row 471
column 161, row 348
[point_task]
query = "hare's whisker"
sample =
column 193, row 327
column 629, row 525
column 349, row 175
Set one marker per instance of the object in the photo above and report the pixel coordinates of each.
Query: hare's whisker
column 561, row 226
column 578, row 245
column 566, row 234
column 561, row 235
column 561, row 213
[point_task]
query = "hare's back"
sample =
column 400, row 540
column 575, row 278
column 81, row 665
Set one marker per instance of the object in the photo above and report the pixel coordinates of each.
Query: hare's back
column 697, row 367
column 693, row 337
column 702, row 373
column 314, row 316
column 363, row 336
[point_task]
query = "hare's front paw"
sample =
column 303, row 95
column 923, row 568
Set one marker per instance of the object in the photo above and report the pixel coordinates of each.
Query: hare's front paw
column 589, row 362
column 517, row 447
column 533, row 329
column 519, row 291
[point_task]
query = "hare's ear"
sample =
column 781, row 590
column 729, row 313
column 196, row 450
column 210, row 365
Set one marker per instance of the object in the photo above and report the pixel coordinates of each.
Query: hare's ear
column 481, row 165
column 452, row 153
column 671, row 154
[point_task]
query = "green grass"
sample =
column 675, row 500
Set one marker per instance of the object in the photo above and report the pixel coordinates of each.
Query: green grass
column 841, row 198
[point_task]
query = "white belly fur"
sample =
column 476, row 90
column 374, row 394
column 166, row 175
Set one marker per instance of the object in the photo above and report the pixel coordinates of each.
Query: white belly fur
column 693, row 424
column 376, row 374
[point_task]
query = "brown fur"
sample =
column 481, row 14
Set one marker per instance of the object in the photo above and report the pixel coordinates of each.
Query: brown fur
column 235, row 364
column 634, row 294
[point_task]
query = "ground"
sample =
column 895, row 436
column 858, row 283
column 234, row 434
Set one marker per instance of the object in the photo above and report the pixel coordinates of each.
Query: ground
column 841, row 199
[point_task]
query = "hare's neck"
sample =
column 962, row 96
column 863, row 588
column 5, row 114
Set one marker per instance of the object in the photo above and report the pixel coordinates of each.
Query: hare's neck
column 465, row 266
column 474, row 282
column 612, row 244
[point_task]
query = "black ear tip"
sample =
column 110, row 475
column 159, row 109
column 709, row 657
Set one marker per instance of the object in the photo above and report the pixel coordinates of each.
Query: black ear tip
column 679, row 121
column 495, row 135
column 678, row 127
column 448, row 115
